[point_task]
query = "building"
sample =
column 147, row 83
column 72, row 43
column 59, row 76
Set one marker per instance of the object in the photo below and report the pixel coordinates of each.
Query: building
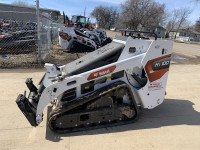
column 185, row 35
column 160, row 31
column 25, row 13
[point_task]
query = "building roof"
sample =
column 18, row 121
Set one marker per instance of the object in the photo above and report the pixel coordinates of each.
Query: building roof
column 79, row 16
column 160, row 27
column 186, row 30
column 13, row 5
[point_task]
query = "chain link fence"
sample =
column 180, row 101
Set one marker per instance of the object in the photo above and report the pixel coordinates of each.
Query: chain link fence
column 48, row 34
column 18, row 38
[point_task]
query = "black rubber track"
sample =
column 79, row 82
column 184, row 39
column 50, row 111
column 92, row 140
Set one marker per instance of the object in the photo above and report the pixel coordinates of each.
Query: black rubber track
column 63, row 110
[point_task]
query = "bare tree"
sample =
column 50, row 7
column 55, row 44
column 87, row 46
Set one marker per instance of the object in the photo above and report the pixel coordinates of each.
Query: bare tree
column 173, row 22
column 147, row 13
column 197, row 25
column 178, row 20
column 105, row 16
column 183, row 15
column 20, row 3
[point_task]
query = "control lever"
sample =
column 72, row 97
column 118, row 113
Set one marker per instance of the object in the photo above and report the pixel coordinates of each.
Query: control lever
column 138, row 79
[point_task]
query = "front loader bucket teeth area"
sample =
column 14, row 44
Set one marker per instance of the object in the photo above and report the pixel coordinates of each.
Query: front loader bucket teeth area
column 27, row 109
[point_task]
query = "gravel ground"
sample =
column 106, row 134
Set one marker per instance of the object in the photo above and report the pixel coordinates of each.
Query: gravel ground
column 59, row 56
column 56, row 56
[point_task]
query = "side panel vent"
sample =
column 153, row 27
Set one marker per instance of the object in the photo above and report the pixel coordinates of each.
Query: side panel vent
column 69, row 95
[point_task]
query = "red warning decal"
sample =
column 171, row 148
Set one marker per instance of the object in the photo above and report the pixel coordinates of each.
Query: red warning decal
column 101, row 73
column 64, row 36
column 155, row 86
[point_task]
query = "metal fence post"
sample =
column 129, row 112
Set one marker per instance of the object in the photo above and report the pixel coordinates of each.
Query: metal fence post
column 38, row 32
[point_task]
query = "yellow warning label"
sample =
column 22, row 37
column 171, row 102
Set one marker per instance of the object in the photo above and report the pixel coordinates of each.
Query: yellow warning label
column 87, row 87
column 108, row 77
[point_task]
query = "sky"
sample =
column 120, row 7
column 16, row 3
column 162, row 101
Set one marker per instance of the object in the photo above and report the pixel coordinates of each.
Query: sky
column 76, row 7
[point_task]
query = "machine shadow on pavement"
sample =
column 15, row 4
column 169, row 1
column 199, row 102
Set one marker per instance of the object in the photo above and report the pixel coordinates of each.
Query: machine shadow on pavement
column 172, row 112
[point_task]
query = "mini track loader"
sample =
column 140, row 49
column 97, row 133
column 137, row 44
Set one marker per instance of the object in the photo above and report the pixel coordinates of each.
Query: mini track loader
column 106, row 87
column 77, row 33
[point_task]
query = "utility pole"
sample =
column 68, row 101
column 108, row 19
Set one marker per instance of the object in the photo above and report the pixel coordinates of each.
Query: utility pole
column 38, row 31
column 84, row 11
